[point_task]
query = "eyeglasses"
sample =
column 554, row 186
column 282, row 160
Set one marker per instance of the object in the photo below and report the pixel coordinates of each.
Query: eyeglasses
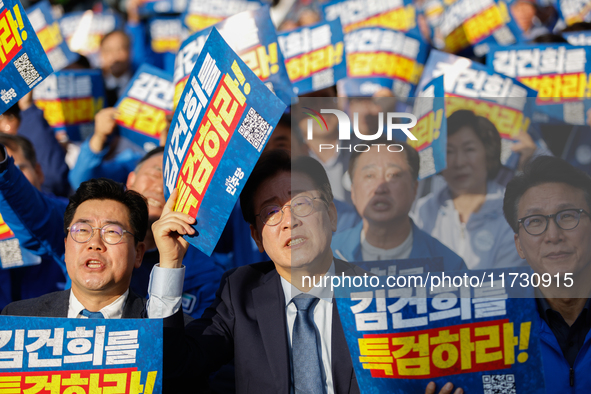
column 303, row 206
column 110, row 233
column 566, row 219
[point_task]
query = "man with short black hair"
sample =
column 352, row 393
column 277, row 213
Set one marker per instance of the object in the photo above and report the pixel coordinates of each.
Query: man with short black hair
column 105, row 226
column 548, row 208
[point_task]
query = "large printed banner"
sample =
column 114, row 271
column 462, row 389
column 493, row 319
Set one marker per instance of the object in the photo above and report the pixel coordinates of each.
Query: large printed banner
column 23, row 62
column 559, row 73
column 472, row 86
column 165, row 34
column 431, row 129
column 84, row 31
column 144, row 105
column 11, row 253
column 573, row 11
column 49, row 34
column 397, row 15
column 483, row 339
column 380, row 58
column 252, row 36
column 222, row 122
column 57, row 355
column 204, row 13
column 70, row 99
column 478, row 24
column 314, row 56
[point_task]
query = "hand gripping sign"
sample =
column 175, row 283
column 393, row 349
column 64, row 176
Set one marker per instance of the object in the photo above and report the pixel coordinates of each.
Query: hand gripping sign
column 404, row 332
column 223, row 120
column 144, row 106
column 23, row 62
column 57, row 355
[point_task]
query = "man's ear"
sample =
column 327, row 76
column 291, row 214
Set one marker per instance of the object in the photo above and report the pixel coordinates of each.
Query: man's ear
column 140, row 249
column 130, row 180
column 518, row 246
column 333, row 215
column 257, row 237
column 40, row 174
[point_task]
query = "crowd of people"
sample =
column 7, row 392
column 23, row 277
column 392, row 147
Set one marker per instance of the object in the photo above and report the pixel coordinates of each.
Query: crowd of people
column 238, row 321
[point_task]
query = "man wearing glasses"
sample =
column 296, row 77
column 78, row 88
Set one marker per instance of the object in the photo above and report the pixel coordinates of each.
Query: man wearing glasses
column 105, row 228
column 281, row 340
column 548, row 208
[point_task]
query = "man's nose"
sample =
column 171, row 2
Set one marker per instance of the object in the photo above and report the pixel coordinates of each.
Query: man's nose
column 553, row 232
column 96, row 241
column 290, row 220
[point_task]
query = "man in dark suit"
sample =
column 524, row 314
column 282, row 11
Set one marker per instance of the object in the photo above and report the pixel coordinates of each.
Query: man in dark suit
column 105, row 226
column 281, row 339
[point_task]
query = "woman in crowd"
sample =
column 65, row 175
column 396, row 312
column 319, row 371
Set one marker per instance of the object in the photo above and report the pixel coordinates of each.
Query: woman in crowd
column 467, row 214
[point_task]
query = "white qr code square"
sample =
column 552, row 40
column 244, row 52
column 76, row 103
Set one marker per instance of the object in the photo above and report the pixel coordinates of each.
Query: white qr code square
column 499, row 384
column 26, row 69
column 255, row 129
column 10, row 254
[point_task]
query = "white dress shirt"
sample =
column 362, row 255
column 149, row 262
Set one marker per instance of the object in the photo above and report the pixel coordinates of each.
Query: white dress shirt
column 111, row 311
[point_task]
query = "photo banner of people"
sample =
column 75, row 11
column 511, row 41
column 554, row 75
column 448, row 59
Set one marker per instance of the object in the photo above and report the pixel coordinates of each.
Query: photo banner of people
column 70, row 99
column 223, row 120
column 40, row 354
column 483, row 339
column 144, row 105
column 23, row 62
column 50, row 35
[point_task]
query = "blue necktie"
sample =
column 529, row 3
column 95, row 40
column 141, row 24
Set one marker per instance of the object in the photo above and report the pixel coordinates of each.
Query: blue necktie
column 307, row 368
column 92, row 315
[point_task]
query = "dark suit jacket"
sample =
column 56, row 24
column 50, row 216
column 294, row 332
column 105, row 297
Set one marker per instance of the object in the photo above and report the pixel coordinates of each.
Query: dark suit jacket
column 247, row 323
column 56, row 305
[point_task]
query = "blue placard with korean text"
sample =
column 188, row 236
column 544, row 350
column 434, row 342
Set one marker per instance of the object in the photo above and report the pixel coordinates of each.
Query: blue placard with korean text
column 573, row 11
column 23, row 62
column 480, row 338
column 402, row 266
column 165, row 34
column 70, row 99
column 12, row 255
column 578, row 38
column 431, row 129
column 80, row 355
column 143, row 107
column 50, row 35
column 152, row 7
column 559, row 73
column 223, row 120
column 200, row 14
column 314, row 56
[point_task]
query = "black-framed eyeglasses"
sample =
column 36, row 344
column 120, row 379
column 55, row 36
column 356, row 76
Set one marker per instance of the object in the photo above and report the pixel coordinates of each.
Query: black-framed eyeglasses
column 110, row 233
column 567, row 219
column 303, row 206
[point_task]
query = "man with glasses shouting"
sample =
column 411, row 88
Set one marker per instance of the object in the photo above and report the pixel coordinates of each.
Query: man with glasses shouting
column 105, row 228
column 548, row 207
column 284, row 336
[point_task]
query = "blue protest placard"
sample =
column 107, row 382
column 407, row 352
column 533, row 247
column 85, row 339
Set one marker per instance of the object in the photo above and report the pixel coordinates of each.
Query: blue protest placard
column 252, row 36
column 165, row 34
column 200, row 14
column 70, row 99
column 84, row 30
column 80, row 355
column 380, row 58
column 559, row 73
column 11, row 253
column 23, row 62
column 143, row 107
column 50, row 35
column 573, row 11
column 152, row 7
column 314, row 56
column 501, row 99
column 223, row 120
column 431, row 129
column 402, row 266
column 477, row 24
column 402, row 336
column 578, row 38
column 399, row 15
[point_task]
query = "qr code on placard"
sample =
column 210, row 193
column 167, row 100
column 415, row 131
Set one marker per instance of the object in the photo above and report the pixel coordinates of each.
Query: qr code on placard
column 255, row 129
column 26, row 69
column 499, row 384
column 10, row 253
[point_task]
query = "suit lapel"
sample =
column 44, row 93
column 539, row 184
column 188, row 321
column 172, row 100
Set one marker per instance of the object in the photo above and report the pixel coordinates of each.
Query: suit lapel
column 269, row 303
column 58, row 306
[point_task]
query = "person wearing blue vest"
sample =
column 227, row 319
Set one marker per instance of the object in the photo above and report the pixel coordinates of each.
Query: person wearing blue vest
column 548, row 207
column 383, row 188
